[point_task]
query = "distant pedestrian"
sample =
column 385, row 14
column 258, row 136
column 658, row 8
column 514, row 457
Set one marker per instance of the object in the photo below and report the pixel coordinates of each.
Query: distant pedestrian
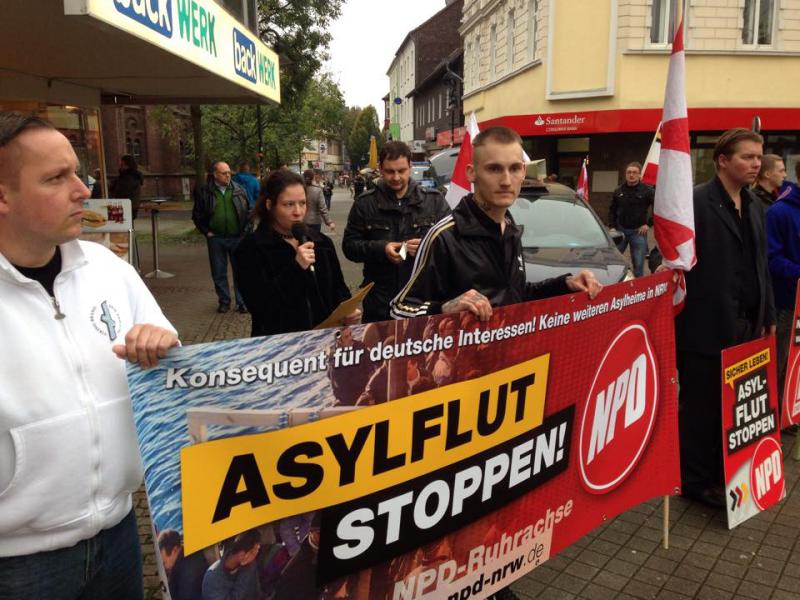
column 631, row 213
column 359, row 183
column 129, row 183
column 317, row 211
column 220, row 213
column 327, row 192
column 249, row 182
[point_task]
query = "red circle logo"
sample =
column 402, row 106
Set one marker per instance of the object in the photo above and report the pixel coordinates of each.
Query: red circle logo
column 620, row 411
column 766, row 473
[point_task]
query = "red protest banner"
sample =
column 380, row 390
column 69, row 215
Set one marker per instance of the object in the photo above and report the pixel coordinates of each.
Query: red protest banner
column 428, row 458
column 791, row 384
column 750, row 435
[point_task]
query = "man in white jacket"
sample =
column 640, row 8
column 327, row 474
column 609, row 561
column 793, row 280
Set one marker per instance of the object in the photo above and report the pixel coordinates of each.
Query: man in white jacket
column 70, row 311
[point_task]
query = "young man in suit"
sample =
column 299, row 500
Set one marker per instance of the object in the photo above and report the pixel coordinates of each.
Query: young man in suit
column 729, row 301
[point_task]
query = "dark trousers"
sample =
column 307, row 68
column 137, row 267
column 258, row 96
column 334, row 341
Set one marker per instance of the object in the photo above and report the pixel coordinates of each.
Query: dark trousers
column 109, row 565
column 700, row 415
column 220, row 251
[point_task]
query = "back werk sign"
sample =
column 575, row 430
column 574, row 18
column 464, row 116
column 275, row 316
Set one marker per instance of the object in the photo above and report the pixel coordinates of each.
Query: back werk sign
column 436, row 457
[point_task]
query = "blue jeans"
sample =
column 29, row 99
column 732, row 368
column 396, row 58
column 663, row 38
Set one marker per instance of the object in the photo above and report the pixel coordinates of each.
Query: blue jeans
column 638, row 244
column 109, row 565
column 220, row 250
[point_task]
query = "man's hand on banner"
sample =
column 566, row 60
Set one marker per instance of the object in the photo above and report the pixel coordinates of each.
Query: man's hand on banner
column 585, row 281
column 146, row 344
column 471, row 300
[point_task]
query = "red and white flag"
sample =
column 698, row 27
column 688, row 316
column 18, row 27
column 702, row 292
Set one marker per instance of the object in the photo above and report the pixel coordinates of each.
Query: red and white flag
column 673, row 211
column 650, row 172
column 460, row 185
column 582, row 188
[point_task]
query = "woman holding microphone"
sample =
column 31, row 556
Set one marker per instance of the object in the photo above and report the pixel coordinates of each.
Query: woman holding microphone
column 289, row 275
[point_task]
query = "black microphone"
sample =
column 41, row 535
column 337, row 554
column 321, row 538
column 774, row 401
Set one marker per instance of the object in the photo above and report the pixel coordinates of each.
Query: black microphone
column 300, row 233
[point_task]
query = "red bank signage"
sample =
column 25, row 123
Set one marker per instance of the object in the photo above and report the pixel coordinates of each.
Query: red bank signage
column 644, row 120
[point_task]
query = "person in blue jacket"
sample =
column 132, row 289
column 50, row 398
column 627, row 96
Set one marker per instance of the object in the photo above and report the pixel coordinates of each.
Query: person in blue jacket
column 249, row 182
column 783, row 247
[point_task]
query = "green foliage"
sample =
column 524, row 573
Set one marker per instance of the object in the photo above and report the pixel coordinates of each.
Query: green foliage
column 230, row 133
column 366, row 125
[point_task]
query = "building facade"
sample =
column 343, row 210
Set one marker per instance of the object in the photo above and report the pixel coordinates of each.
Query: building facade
column 583, row 78
column 438, row 104
column 325, row 155
column 422, row 51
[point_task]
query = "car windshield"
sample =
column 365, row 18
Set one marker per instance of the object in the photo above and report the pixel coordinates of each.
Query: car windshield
column 552, row 222
column 443, row 165
column 418, row 173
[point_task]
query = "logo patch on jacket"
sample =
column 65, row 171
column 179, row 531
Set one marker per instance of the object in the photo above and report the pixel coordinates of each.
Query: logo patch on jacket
column 106, row 320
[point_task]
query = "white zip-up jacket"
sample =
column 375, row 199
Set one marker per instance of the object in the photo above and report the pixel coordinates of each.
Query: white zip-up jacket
column 69, row 459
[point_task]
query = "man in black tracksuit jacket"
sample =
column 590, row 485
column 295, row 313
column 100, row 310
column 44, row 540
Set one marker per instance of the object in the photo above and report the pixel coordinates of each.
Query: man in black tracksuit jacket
column 472, row 259
column 396, row 214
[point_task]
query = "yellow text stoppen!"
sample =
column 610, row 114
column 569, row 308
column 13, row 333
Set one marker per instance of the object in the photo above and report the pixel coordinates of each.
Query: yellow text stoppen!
column 234, row 484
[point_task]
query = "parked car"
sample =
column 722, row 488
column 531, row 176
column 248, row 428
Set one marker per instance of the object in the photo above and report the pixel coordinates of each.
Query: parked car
column 562, row 234
column 442, row 166
column 421, row 173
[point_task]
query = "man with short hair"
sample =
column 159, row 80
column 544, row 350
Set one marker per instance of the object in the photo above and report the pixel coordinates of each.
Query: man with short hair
column 770, row 179
column 249, row 182
column 386, row 225
column 235, row 574
column 630, row 213
column 220, row 213
column 472, row 259
column 69, row 458
column 729, row 301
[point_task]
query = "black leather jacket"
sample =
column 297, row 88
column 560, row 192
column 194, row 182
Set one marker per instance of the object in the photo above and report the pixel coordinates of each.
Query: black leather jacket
column 376, row 219
column 204, row 201
column 631, row 206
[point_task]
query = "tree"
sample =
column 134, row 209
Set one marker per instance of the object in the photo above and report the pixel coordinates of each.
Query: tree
column 366, row 125
column 231, row 132
column 297, row 31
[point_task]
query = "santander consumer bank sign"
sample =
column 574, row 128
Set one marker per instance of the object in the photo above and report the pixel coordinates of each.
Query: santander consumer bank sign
column 620, row 411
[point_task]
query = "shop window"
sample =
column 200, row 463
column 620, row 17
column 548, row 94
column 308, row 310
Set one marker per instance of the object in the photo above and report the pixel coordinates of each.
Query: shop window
column 564, row 145
column 663, row 21
column 759, row 21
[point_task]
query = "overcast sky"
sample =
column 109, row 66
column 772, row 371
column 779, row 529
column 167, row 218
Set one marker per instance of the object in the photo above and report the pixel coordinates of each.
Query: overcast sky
column 365, row 39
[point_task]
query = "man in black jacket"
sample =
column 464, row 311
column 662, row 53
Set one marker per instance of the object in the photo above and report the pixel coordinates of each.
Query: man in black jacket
column 386, row 225
column 728, row 302
column 630, row 212
column 472, row 260
column 220, row 213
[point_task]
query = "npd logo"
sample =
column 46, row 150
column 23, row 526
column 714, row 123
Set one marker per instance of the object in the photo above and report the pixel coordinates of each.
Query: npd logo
column 245, row 56
column 154, row 14
column 620, row 411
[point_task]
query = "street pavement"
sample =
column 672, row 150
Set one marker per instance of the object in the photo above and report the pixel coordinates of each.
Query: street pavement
column 622, row 559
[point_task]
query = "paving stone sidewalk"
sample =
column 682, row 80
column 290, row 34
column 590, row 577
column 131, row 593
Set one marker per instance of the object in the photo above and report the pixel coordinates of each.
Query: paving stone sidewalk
column 622, row 559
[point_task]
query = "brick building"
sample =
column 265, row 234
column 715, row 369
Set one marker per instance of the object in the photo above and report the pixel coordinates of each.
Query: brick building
column 422, row 51
column 159, row 138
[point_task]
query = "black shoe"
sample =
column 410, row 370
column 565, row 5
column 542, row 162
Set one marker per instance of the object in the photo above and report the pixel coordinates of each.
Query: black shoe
column 242, row 309
column 710, row 496
column 223, row 308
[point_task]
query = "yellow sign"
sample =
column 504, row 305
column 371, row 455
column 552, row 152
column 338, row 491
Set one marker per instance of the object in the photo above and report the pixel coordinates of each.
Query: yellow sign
column 743, row 367
column 199, row 31
column 234, row 484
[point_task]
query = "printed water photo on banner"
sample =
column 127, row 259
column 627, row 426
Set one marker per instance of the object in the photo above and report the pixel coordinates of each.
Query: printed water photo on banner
column 438, row 457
